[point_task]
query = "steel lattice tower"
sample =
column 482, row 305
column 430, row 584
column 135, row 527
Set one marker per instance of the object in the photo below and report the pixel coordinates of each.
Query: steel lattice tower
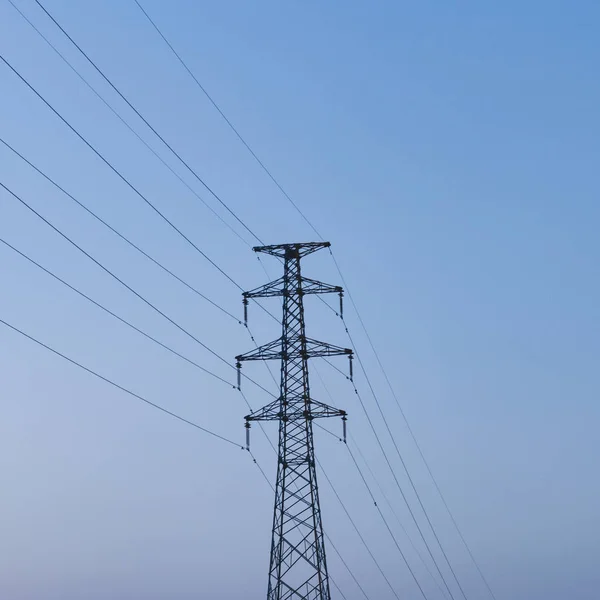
column 298, row 567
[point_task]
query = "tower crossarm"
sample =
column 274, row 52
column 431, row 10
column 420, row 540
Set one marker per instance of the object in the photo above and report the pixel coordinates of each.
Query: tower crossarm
column 313, row 409
column 285, row 250
column 276, row 350
column 270, row 351
column 306, row 286
column 316, row 349
column 312, row 286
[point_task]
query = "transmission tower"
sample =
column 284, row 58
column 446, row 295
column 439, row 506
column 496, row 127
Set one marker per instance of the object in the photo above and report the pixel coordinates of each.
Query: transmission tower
column 298, row 567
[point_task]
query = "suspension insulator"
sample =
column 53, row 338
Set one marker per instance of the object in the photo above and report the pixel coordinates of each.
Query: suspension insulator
column 341, row 305
column 344, row 419
column 239, row 375
column 247, row 426
column 351, row 358
column 245, row 311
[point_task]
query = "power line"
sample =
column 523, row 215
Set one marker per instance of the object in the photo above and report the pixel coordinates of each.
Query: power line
column 90, row 299
column 389, row 464
column 123, row 237
column 149, row 403
column 393, row 510
column 113, row 314
column 337, row 587
column 137, row 135
column 137, row 112
column 384, row 495
column 137, row 294
column 143, row 399
column 283, row 191
column 108, row 311
column 128, row 391
column 336, row 368
column 229, row 123
column 126, row 322
column 129, row 184
column 410, row 479
column 118, row 386
column 109, row 272
column 401, row 491
column 362, row 539
column 119, row 174
column 343, row 561
column 135, row 395
column 386, row 523
column 410, row 430
column 288, row 197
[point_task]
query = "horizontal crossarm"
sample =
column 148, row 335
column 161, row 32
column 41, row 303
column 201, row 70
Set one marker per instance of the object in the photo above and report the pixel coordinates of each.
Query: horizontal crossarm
column 275, row 351
column 270, row 351
column 313, row 409
column 277, row 288
column 287, row 250
column 316, row 349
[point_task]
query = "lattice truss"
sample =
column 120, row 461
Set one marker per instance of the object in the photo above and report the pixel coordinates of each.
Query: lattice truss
column 298, row 566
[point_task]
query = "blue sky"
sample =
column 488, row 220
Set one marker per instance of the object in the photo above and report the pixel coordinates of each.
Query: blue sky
column 449, row 153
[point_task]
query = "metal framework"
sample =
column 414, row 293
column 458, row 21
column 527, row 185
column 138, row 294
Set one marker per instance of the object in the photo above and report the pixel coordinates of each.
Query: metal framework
column 298, row 567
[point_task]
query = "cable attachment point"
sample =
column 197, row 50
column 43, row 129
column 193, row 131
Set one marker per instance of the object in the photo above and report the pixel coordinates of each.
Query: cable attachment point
column 238, row 366
column 245, row 310
column 350, row 359
column 247, row 426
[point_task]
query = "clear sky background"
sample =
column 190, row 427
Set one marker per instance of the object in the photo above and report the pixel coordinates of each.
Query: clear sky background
column 448, row 150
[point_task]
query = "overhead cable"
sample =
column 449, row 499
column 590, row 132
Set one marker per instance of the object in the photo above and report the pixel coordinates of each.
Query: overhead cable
column 124, row 122
column 127, row 286
column 147, row 123
column 118, row 386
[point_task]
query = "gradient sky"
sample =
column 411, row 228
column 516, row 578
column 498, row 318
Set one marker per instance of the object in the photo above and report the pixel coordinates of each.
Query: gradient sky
column 448, row 150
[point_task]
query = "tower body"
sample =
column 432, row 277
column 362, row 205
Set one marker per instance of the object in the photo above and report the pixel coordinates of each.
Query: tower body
column 298, row 565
